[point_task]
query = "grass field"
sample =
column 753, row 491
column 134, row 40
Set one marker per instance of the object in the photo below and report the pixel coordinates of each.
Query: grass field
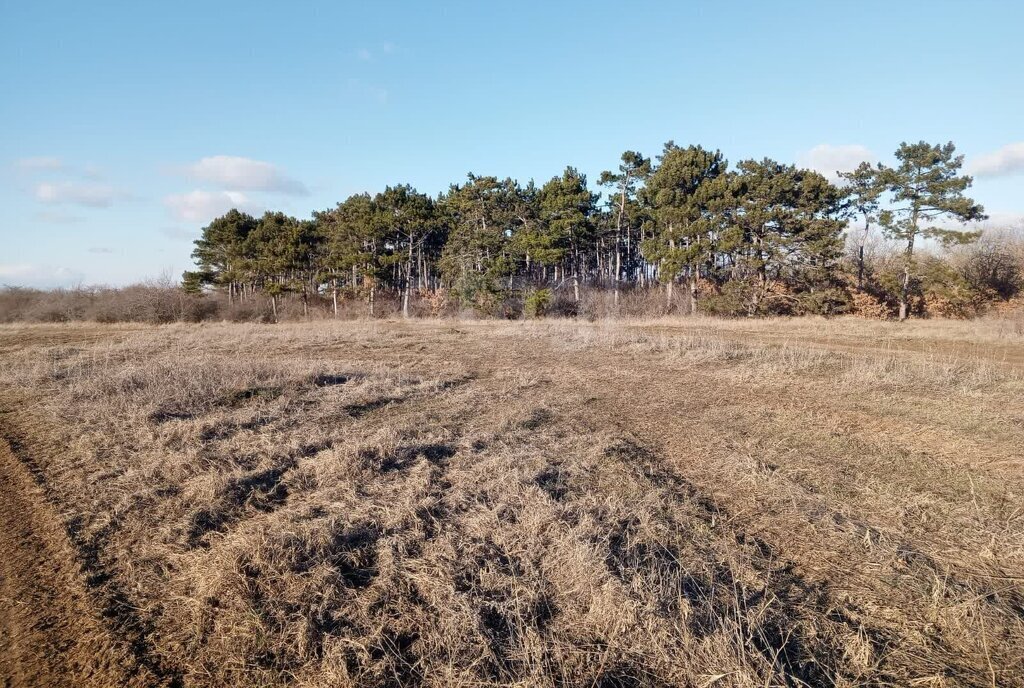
column 441, row 503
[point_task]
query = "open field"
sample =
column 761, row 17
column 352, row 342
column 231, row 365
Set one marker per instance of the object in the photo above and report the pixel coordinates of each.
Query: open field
column 441, row 503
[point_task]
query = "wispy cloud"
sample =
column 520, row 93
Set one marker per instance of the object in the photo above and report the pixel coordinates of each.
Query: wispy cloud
column 235, row 173
column 364, row 55
column 100, row 250
column 57, row 218
column 76, row 193
column 203, row 206
column 999, row 163
column 38, row 276
column 39, row 164
column 829, row 160
column 53, row 166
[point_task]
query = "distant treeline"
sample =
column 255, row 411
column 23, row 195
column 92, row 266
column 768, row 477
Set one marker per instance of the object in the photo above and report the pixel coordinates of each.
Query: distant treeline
column 760, row 238
column 681, row 234
column 960, row 281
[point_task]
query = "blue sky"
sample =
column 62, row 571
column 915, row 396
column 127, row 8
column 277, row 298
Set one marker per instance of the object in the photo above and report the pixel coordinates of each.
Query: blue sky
column 127, row 126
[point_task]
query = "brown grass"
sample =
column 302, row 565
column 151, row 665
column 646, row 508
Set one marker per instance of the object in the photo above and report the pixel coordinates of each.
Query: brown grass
column 642, row 503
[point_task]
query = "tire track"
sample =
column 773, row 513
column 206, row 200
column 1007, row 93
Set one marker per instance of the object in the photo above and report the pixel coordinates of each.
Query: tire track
column 91, row 633
column 51, row 633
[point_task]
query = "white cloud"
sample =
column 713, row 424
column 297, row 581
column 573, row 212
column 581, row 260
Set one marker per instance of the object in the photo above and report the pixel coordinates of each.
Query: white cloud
column 364, row 54
column 1001, row 162
column 50, row 166
column 57, row 218
column 92, row 195
column 232, row 172
column 828, row 159
column 998, row 219
column 39, row 163
column 8, row 271
column 100, row 249
column 203, row 206
column 38, row 276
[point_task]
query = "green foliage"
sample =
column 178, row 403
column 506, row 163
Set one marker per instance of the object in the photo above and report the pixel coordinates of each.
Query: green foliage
column 352, row 243
column 783, row 228
column 482, row 215
column 626, row 214
column 763, row 238
column 926, row 186
column 192, row 281
column 566, row 209
column 537, row 302
column 220, row 251
column 684, row 192
column 827, row 301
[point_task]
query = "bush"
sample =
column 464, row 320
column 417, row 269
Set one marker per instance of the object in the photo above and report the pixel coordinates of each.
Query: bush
column 994, row 264
column 729, row 301
column 827, row 301
column 536, row 302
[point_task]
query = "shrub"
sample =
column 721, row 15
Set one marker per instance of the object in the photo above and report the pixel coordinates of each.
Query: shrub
column 536, row 302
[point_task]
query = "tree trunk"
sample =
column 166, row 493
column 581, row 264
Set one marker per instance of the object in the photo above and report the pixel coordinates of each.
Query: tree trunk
column 908, row 259
column 905, row 286
column 860, row 268
column 273, row 306
column 618, row 235
column 618, row 264
column 693, row 294
column 408, row 282
column 668, row 295
column 860, row 253
column 334, row 297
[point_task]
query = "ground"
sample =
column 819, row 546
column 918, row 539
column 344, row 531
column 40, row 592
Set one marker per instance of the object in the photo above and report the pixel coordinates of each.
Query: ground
column 447, row 503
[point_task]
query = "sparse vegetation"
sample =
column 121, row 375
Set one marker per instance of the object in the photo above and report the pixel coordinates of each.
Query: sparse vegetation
column 693, row 502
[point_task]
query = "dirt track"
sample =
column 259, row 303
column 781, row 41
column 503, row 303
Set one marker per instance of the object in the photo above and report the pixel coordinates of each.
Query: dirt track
column 50, row 631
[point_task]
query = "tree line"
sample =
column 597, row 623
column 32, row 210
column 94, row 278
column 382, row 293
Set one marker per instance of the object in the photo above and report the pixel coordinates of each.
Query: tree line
column 764, row 234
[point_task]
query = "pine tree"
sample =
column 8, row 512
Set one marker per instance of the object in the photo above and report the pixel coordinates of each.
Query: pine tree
column 476, row 260
column 405, row 219
column 925, row 186
column 280, row 249
column 680, row 192
column 782, row 227
column 220, row 253
column 633, row 170
column 863, row 187
column 566, row 207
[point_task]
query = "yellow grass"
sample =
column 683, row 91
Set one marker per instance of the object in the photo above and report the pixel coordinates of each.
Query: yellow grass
column 688, row 502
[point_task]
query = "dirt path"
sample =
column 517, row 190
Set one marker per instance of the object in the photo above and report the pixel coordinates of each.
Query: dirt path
column 1000, row 354
column 50, row 634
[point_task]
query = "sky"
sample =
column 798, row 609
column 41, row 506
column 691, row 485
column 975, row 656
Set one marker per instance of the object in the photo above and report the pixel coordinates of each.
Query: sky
column 126, row 127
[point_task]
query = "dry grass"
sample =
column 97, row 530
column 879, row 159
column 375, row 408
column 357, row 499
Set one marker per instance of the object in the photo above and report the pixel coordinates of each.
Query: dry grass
column 666, row 503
